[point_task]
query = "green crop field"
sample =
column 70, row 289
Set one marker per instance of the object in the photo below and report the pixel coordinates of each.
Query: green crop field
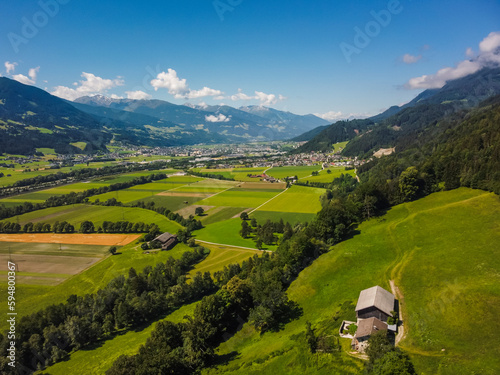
column 301, row 199
column 240, row 198
column 220, row 214
column 324, row 176
column 275, row 216
column 226, row 232
column 238, row 174
column 221, row 256
column 78, row 213
column 172, row 203
column 441, row 253
column 299, row 171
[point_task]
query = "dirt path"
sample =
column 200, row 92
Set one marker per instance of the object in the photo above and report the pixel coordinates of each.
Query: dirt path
column 401, row 329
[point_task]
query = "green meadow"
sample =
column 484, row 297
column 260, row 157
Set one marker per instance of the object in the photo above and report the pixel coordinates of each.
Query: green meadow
column 275, row 216
column 324, row 176
column 240, row 198
column 300, row 199
column 226, row 232
column 300, row 171
column 441, row 253
column 220, row 214
column 76, row 214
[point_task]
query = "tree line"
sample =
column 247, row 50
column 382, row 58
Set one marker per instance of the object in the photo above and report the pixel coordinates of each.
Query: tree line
column 86, row 226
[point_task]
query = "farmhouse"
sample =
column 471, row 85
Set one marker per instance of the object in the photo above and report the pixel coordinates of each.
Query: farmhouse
column 366, row 327
column 167, row 240
column 375, row 302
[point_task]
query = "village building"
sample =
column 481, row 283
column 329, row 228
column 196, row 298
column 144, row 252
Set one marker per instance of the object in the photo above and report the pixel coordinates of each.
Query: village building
column 167, row 240
column 366, row 328
column 375, row 302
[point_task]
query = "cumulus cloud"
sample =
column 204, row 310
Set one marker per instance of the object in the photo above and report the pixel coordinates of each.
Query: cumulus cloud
column 218, row 118
column 179, row 88
column 10, row 67
column 90, row 85
column 265, row 99
column 330, row 116
column 205, row 91
column 489, row 56
column 30, row 80
column 138, row 95
column 410, row 59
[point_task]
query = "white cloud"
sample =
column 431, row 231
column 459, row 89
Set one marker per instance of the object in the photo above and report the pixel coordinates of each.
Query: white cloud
column 489, row 55
column 33, row 73
column 410, row 59
column 30, row 80
column 10, row 67
column 240, row 96
column 469, row 52
column 23, row 79
column 179, row 88
column 330, row 116
column 205, row 91
column 90, row 85
column 265, row 99
column 114, row 96
column 219, row 118
column 491, row 43
column 137, row 95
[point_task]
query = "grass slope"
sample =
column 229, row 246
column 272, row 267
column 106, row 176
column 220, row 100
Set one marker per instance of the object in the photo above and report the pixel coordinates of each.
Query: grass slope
column 441, row 253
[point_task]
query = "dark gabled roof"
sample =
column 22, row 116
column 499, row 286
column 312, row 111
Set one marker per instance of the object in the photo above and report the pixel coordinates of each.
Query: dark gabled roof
column 376, row 297
column 165, row 237
column 367, row 327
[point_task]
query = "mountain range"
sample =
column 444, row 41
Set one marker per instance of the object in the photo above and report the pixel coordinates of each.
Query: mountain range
column 401, row 125
column 43, row 120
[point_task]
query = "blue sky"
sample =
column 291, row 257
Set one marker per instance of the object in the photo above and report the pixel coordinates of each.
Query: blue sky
column 289, row 55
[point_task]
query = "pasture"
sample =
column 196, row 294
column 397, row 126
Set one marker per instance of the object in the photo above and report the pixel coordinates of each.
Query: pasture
column 439, row 252
column 324, row 176
column 228, row 233
column 299, row 199
column 300, row 171
column 238, row 197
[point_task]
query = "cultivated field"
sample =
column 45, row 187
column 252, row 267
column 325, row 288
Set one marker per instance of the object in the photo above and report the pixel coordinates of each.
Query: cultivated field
column 299, row 171
column 439, row 251
column 32, row 298
column 300, row 199
column 73, row 238
column 324, row 176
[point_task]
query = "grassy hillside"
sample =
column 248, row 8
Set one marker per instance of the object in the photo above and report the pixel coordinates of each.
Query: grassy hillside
column 441, row 253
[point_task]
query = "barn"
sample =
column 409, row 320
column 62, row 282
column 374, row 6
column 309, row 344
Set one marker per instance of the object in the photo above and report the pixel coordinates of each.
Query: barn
column 167, row 240
column 366, row 328
column 375, row 302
